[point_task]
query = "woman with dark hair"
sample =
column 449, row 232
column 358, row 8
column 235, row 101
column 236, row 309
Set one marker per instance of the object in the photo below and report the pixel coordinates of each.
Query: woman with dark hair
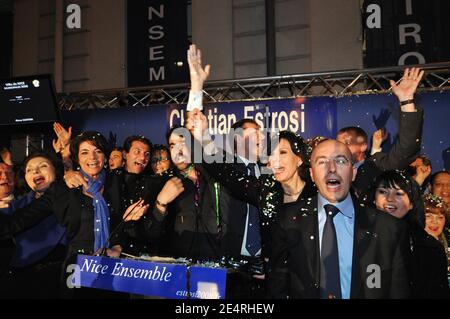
column 99, row 202
column 39, row 251
column 40, row 171
column 287, row 179
column 91, row 213
column 116, row 159
column 160, row 159
column 399, row 195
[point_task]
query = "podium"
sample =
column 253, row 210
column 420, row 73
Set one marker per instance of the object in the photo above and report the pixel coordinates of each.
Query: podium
column 167, row 280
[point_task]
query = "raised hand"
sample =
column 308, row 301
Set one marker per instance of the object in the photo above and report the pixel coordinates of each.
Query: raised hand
column 170, row 191
column 408, row 85
column 424, row 170
column 74, row 179
column 196, row 123
column 63, row 136
column 6, row 157
column 422, row 173
column 114, row 251
column 197, row 72
column 136, row 211
column 379, row 136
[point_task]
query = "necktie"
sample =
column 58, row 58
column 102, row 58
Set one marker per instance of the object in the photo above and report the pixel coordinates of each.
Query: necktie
column 330, row 280
column 253, row 240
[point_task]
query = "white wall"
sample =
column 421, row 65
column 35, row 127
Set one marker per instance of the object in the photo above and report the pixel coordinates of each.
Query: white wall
column 212, row 31
column 311, row 36
column 336, row 42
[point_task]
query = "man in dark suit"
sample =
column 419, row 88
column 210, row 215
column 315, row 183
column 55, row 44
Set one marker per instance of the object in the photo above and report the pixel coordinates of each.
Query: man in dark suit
column 406, row 147
column 242, row 240
column 241, row 224
column 238, row 240
column 331, row 246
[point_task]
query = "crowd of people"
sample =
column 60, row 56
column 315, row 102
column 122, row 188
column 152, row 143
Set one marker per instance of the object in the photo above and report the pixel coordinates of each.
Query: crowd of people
column 320, row 218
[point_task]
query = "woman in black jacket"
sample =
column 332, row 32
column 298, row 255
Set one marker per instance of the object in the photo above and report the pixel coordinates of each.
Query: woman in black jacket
column 287, row 178
column 399, row 195
column 37, row 253
column 94, row 213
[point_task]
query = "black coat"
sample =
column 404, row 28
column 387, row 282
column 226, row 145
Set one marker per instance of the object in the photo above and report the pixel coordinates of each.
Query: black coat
column 236, row 221
column 294, row 266
column 69, row 206
column 264, row 192
column 404, row 151
column 428, row 266
column 147, row 187
column 195, row 230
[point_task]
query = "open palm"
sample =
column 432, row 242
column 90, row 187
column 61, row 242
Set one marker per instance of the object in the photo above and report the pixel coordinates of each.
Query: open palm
column 408, row 85
column 197, row 72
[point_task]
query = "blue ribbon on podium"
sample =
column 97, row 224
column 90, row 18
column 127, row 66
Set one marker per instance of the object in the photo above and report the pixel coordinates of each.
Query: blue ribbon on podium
column 174, row 281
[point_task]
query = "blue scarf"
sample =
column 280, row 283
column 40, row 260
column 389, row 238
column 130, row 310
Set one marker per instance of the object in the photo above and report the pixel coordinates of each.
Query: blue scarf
column 101, row 210
column 37, row 242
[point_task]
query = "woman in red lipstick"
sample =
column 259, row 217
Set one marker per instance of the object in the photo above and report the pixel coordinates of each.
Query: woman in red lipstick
column 40, row 172
column 436, row 216
column 90, row 212
column 33, row 271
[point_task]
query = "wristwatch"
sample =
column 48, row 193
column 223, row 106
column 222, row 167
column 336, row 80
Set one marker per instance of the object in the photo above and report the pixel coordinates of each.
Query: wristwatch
column 410, row 101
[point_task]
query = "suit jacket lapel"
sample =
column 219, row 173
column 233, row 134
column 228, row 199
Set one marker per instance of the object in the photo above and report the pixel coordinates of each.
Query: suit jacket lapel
column 310, row 233
column 361, row 242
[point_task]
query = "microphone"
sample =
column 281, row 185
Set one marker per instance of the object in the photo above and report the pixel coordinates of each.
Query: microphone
column 103, row 251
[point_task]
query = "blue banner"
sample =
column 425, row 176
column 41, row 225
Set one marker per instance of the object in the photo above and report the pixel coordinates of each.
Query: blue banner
column 138, row 277
column 306, row 116
column 310, row 116
column 173, row 281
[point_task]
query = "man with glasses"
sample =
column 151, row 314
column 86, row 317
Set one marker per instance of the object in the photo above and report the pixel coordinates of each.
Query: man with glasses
column 333, row 247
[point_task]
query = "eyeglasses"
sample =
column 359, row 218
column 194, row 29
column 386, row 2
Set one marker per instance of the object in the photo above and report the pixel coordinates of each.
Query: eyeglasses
column 340, row 161
column 159, row 159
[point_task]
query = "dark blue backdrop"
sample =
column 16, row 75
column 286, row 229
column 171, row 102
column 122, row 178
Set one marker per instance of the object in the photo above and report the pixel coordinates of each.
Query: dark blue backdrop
column 370, row 111
column 322, row 116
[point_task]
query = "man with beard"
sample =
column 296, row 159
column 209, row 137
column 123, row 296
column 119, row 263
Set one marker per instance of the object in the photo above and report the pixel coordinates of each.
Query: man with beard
column 193, row 205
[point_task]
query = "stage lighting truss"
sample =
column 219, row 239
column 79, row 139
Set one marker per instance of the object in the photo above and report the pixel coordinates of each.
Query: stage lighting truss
column 337, row 83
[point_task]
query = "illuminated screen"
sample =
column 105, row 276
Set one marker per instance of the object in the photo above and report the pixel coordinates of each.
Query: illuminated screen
column 27, row 100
